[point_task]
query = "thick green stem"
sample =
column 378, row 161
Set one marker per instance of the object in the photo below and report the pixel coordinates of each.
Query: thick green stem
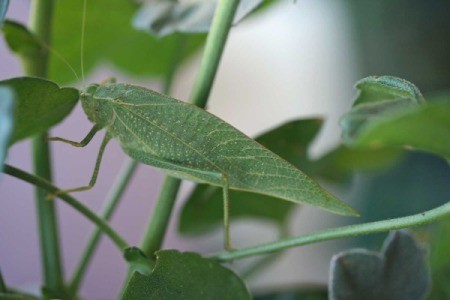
column 154, row 235
column 40, row 24
column 114, row 197
column 223, row 18
column 433, row 215
column 77, row 205
column 215, row 43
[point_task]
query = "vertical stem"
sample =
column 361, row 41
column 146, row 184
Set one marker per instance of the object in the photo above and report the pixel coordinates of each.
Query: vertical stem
column 215, row 43
column 114, row 197
column 2, row 284
column 154, row 234
column 40, row 23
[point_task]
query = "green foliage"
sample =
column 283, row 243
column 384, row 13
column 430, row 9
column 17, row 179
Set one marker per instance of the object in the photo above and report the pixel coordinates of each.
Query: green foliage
column 20, row 40
column 190, row 143
column 426, row 128
column 3, row 8
column 392, row 112
column 161, row 18
column 110, row 38
column 399, row 272
column 6, row 121
column 381, row 88
column 40, row 104
column 185, row 276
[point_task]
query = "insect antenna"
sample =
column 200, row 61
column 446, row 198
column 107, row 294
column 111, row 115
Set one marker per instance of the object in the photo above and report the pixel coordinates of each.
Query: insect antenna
column 60, row 57
column 83, row 29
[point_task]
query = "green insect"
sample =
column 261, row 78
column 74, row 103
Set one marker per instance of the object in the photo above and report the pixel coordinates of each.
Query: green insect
column 189, row 143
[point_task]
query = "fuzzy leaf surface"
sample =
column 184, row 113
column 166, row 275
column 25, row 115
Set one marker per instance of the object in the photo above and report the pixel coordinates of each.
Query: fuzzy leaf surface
column 40, row 104
column 111, row 39
column 162, row 17
column 186, row 276
column 392, row 112
column 378, row 97
column 381, row 88
column 399, row 271
column 6, row 121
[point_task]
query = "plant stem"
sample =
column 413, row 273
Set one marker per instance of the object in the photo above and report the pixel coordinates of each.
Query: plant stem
column 45, row 185
column 115, row 194
column 154, row 235
column 215, row 43
column 429, row 216
column 223, row 17
column 2, row 284
column 40, row 23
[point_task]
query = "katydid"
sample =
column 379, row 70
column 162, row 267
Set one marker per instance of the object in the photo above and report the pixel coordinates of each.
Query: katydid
column 188, row 142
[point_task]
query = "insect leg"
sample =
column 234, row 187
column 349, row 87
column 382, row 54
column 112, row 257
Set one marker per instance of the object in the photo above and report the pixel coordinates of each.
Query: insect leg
column 105, row 141
column 83, row 143
column 226, row 214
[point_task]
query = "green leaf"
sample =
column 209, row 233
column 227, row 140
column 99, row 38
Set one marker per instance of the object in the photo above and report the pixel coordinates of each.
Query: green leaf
column 365, row 115
column 3, row 8
column 392, row 112
column 399, row 272
column 203, row 210
column 40, row 104
column 378, row 97
column 20, row 40
column 186, row 276
column 6, row 121
column 426, row 128
column 440, row 261
column 110, row 38
column 303, row 293
column 381, row 88
column 162, row 17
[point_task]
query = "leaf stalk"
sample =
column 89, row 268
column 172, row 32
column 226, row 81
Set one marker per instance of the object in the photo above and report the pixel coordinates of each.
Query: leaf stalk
column 426, row 217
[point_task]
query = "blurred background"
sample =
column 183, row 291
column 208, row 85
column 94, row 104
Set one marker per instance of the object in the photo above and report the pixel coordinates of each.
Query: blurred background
column 289, row 61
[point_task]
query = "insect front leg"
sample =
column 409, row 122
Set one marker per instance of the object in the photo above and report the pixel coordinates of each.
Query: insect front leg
column 83, row 143
column 98, row 161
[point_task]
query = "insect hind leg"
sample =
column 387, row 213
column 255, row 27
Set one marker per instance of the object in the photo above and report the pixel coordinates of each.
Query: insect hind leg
column 226, row 214
column 93, row 180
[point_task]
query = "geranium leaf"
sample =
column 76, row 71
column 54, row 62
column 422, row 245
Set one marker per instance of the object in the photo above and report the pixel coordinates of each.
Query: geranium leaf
column 185, row 276
column 40, row 104
column 399, row 271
